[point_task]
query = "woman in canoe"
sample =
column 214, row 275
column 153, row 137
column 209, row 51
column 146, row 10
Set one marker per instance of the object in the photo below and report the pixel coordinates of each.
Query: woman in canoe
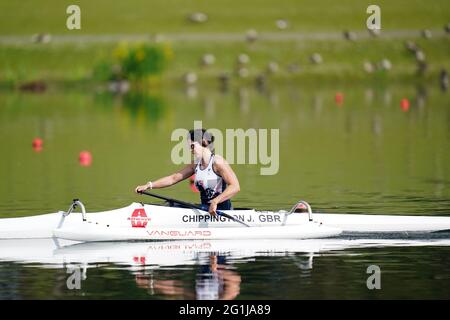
column 214, row 177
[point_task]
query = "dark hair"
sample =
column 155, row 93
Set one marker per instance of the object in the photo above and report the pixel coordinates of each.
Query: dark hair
column 201, row 136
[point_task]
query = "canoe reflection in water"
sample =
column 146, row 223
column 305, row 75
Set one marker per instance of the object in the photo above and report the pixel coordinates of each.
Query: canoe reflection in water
column 214, row 281
column 165, row 268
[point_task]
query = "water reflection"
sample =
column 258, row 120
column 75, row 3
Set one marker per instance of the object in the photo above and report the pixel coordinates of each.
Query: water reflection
column 142, row 106
column 244, row 100
column 369, row 144
column 191, row 91
column 214, row 281
column 160, row 267
column 421, row 97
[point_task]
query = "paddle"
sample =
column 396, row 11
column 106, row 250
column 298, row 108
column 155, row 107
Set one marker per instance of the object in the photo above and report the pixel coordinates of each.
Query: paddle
column 193, row 206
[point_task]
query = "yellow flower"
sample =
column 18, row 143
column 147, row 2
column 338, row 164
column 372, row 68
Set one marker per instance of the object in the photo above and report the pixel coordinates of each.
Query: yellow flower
column 140, row 54
column 121, row 51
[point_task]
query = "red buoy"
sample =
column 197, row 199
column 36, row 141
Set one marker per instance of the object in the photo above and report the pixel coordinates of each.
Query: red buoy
column 339, row 98
column 404, row 104
column 85, row 158
column 37, row 144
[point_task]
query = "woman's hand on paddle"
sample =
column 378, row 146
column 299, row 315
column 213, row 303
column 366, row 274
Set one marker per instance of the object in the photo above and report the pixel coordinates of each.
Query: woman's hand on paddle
column 144, row 187
column 213, row 207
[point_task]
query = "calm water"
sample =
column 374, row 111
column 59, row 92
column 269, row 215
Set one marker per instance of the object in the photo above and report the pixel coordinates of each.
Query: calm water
column 316, row 269
column 367, row 155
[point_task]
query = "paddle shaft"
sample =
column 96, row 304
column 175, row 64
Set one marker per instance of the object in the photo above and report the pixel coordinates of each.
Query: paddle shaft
column 193, row 206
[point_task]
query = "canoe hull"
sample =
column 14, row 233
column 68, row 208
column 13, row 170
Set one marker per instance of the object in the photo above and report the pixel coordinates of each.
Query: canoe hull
column 384, row 223
column 153, row 222
column 90, row 232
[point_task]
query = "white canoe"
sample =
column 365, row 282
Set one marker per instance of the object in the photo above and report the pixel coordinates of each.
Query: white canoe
column 153, row 222
column 370, row 223
column 92, row 232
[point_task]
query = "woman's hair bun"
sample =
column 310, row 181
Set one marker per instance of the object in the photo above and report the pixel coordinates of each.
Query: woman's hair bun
column 201, row 134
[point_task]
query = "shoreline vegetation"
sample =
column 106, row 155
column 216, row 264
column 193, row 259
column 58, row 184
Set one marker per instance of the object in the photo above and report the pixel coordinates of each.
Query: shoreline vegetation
column 413, row 59
column 230, row 43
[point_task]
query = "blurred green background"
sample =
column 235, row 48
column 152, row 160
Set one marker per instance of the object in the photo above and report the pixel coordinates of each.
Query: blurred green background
column 141, row 16
column 70, row 56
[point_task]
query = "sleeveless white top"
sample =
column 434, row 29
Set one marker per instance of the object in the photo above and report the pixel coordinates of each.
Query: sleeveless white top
column 208, row 182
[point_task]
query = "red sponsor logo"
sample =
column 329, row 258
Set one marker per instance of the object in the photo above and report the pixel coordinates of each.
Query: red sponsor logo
column 139, row 218
column 140, row 260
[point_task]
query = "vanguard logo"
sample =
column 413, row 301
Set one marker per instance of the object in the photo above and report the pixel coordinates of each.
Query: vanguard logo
column 176, row 233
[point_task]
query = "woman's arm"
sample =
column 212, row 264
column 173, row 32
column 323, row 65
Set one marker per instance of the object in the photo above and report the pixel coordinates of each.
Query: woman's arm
column 222, row 168
column 168, row 181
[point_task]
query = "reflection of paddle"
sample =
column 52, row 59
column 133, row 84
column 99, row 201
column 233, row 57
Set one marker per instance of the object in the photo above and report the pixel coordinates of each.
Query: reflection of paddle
column 193, row 206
